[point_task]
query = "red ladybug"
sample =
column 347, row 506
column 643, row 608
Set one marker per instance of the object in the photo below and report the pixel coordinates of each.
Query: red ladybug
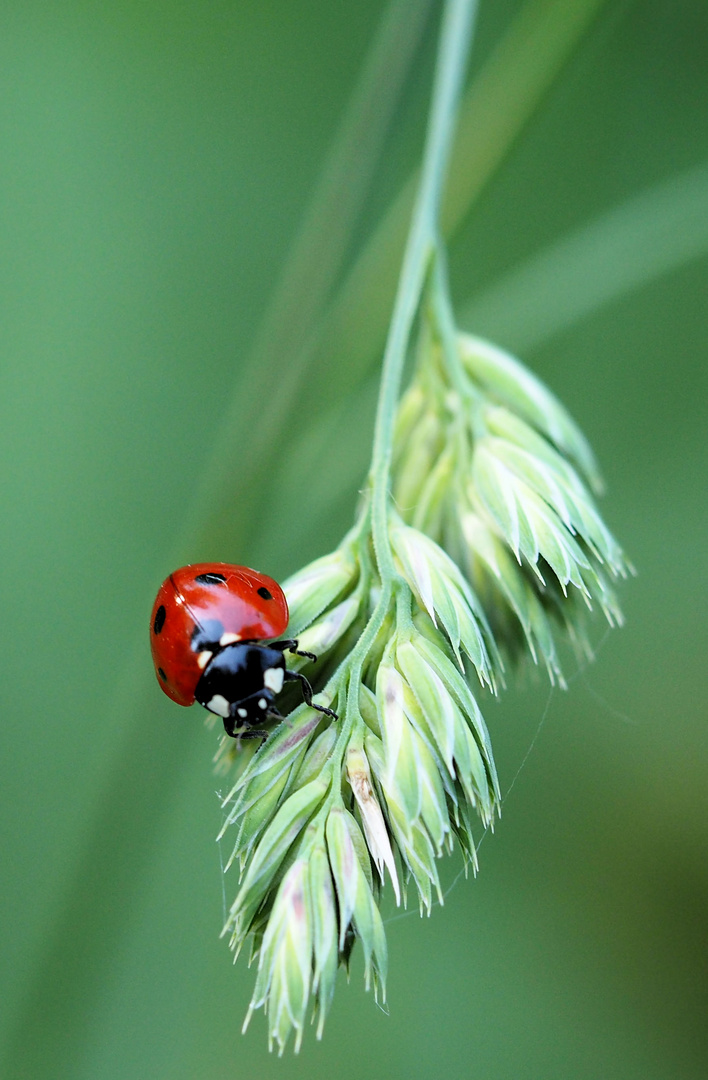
column 210, row 634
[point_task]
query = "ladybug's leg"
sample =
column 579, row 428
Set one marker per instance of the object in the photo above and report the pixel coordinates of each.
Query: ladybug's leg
column 307, row 692
column 251, row 733
column 291, row 646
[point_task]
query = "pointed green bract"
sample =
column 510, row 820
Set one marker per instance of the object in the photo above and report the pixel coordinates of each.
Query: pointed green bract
column 355, row 899
column 328, row 629
column 449, row 727
column 506, row 380
column 285, row 960
column 324, row 918
column 317, row 756
column 317, row 586
column 397, row 737
column 442, row 590
column 282, row 832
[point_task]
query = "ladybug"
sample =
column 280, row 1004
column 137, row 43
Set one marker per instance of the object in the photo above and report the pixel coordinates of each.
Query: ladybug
column 210, row 632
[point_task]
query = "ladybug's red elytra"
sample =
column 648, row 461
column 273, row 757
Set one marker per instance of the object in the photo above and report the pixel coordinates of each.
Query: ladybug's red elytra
column 210, row 632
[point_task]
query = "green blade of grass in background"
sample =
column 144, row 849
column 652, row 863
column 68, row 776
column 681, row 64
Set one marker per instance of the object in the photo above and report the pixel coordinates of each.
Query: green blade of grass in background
column 631, row 245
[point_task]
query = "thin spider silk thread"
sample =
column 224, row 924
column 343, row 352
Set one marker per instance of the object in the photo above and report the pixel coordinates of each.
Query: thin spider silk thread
column 579, row 674
column 221, row 866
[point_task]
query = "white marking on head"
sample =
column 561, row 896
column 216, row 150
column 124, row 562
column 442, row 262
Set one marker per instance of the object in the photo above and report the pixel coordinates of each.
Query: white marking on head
column 273, row 679
column 219, row 705
column 203, row 658
column 242, row 712
column 228, row 639
column 262, row 703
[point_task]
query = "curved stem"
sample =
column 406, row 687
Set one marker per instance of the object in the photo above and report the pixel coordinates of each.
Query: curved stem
column 455, row 36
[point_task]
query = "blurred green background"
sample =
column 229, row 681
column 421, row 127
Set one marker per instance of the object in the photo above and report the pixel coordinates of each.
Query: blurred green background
column 156, row 162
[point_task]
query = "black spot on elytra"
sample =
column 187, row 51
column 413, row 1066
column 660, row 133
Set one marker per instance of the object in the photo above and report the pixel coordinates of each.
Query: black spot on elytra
column 162, row 675
column 264, row 593
column 210, row 579
column 159, row 619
